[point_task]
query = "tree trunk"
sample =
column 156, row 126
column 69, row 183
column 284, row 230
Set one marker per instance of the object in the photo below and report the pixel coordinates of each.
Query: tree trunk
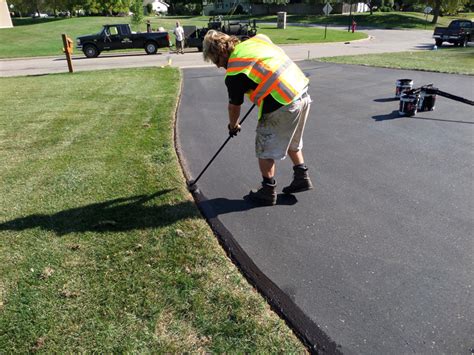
column 436, row 10
column 369, row 4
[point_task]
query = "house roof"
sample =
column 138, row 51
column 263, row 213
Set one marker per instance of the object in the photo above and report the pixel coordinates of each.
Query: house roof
column 146, row 2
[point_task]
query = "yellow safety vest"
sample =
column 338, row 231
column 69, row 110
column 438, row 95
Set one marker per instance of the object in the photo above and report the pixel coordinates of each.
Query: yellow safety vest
column 270, row 68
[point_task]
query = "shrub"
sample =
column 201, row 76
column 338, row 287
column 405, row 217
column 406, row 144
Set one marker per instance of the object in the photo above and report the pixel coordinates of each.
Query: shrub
column 386, row 9
column 418, row 7
column 149, row 9
column 239, row 10
column 181, row 9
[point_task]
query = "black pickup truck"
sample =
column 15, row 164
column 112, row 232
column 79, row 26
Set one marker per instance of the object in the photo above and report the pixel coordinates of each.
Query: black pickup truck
column 459, row 32
column 113, row 37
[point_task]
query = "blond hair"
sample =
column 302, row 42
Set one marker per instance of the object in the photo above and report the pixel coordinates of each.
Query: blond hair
column 217, row 44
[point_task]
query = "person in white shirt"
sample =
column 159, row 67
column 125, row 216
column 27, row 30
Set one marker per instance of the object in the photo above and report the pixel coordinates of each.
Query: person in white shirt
column 179, row 33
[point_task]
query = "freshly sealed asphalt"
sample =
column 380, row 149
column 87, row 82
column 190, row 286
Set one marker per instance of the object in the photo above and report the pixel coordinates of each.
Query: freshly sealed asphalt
column 379, row 256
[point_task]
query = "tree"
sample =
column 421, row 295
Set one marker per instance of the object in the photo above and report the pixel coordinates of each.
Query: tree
column 370, row 4
column 452, row 7
column 93, row 7
column 181, row 7
column 447, row 6
column 149, row 9
column 436, row 10
column 137, row 9
column 112, row 7
column 106, row 7
column 20, row 6
column 28, row 6
column 61, row 5
column 38, row 5
column 271, row 2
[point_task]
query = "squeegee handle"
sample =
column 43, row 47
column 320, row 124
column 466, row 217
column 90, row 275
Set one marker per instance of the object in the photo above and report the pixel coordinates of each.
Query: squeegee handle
column 222, row 147
column 246, row 115
column 456, row 98
column 418, row 90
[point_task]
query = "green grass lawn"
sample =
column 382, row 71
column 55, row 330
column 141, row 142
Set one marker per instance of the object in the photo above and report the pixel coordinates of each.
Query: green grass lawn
column 454, row 60
column 394, row 19
column 102, row 248
column 406, row 20
column 42, row 37
column 299, row 35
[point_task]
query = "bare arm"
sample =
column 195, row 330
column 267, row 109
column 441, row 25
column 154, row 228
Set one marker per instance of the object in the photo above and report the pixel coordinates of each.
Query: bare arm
column 234, row 113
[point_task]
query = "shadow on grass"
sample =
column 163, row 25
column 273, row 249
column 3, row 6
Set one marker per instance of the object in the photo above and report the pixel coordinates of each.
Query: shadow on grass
column 122, row 214
column 25, row 21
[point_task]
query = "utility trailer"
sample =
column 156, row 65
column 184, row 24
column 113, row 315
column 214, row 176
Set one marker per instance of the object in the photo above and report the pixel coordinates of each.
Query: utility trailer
column 241, row 29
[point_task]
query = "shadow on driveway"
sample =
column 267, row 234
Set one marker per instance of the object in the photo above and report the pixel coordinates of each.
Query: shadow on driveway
column 219, row 206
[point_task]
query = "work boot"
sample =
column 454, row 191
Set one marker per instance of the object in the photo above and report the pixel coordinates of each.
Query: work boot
column 301, row 181
column 265, row 196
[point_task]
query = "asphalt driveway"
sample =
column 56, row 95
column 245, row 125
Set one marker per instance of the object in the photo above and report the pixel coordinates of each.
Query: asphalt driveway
column 379, row 255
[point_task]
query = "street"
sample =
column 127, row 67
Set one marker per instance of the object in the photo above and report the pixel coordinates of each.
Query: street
column 378, row 42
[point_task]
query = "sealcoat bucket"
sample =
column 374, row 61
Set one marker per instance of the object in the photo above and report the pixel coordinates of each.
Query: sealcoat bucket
column 427, row 99
column 402, row 86
column 408, row 105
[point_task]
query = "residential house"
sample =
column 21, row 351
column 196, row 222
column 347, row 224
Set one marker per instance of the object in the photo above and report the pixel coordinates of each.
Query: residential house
column 158, row 7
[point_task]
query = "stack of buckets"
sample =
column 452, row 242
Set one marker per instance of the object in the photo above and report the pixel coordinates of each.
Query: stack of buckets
column 410, row 101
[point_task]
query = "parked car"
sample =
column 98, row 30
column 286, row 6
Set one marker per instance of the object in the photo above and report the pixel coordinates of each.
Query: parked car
column 459, row 32
column 39, row 15
column 113, row 37
column 64, row 13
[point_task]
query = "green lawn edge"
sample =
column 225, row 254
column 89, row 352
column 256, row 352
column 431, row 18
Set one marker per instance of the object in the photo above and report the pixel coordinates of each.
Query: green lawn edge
column 102, row 246
column 449, row 59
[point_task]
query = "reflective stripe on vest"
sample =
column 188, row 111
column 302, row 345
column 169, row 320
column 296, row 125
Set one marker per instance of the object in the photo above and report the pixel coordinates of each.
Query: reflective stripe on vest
column 269, row 67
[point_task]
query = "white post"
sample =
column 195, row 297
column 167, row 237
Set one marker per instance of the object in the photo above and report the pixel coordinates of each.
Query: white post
column 5, row 18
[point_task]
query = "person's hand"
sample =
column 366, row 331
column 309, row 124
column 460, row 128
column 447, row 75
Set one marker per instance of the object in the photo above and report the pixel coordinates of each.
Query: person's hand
column 233, row 130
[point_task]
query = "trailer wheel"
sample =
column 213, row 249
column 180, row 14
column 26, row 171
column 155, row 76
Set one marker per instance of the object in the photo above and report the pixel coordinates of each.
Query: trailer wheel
column 90, row 51
column 463, row 43
column 439, row 42
column 151, row 48
column 199, row 48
